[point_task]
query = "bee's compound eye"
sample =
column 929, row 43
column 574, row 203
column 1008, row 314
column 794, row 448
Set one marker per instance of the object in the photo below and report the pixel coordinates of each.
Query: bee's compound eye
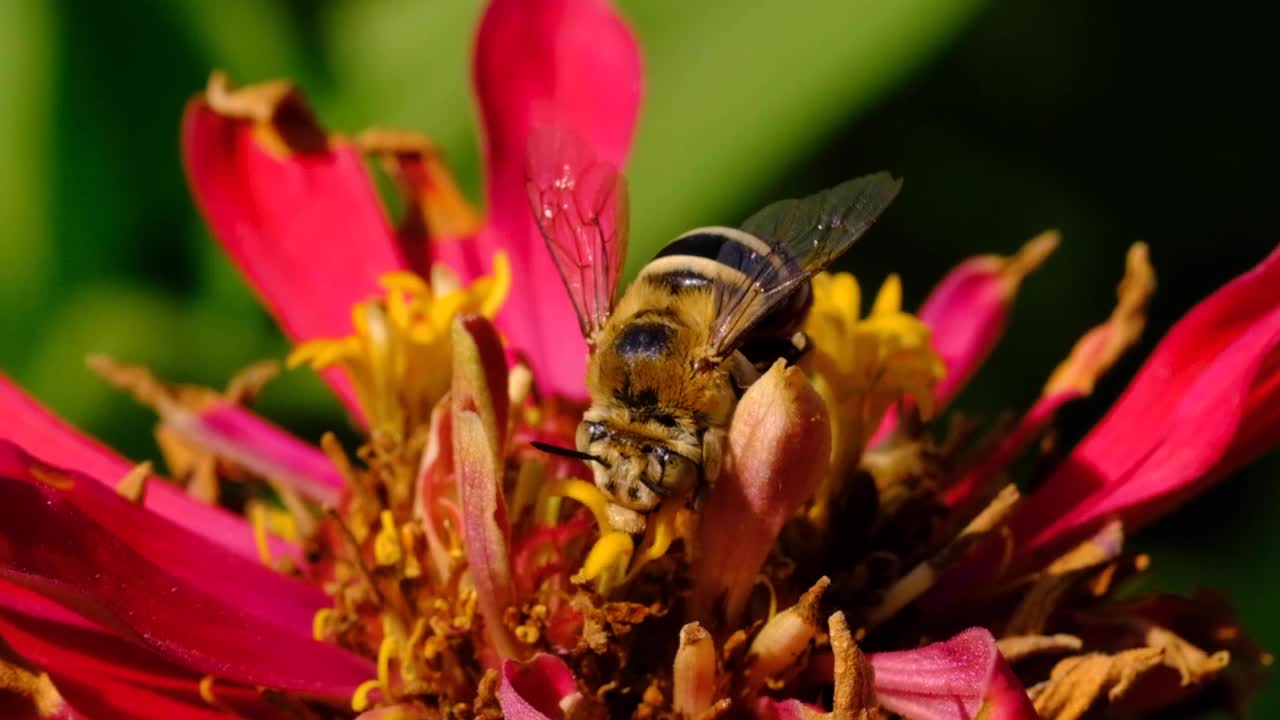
column 670, row 473
column 589, row 432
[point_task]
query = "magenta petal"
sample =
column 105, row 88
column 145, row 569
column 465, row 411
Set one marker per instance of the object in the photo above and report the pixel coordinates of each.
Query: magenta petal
column 104, row 675
column 32, row 427
column 479, row 425
column 74, row 541
column 949, row 680
column 967, row 311
column 294, row 209
column 1210, row 382
column 770, row 709
column 540, row 689
column 245, row 438
column 579, row 69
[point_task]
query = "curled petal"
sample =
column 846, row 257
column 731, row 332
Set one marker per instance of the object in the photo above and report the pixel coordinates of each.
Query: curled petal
column 1203, row 404
column 72, row 540
column 437, row 216
column 541, row 689
column 30, row 426
column 294, row 208
column 778, row 450
column 239, row 435
column 969, row 309
column 1098, row 350
column 951, row 680
column 1091, row 357
column 479, row 399
column 579, row 70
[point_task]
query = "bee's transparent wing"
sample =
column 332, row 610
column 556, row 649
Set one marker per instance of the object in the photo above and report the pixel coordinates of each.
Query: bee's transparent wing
column 802, row 236
column 580, row 204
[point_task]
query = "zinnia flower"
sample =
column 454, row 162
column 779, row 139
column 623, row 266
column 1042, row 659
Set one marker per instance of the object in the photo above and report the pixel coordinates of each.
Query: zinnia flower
column 845, row 564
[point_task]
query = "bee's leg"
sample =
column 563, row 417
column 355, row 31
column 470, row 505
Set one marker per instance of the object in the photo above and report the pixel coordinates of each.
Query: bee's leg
column 742, row 372
column 800, row 346
column 714, row 441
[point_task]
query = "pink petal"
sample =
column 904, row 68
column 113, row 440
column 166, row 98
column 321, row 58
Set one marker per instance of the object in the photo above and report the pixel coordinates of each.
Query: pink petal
column 1201, row 405
column 579, row 69
column 967, row 313
column 950, row 680
column 76, row 542
column 91, row 666
column 479, row 398
column 32, row 427
column 770, row 709
column 293, row 208
column 779, row 446
column 243, row 437
column 540, row 689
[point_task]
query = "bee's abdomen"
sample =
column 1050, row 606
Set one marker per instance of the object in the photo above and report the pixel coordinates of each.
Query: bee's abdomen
column 702, row 260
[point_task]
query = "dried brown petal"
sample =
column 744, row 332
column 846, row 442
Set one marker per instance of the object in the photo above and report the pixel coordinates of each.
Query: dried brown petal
column 1077, row 682
column 1017, row 647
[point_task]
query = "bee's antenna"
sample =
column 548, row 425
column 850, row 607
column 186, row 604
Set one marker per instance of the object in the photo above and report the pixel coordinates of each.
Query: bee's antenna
column 568, row 452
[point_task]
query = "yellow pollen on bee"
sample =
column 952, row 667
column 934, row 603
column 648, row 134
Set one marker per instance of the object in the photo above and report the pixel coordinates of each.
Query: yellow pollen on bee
column 397, row 356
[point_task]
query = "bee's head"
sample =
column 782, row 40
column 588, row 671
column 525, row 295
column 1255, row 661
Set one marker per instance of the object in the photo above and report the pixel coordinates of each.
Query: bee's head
column 636, row 472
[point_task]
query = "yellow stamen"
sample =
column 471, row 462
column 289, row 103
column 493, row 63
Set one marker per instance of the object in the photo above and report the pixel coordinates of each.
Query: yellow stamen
column 386, row 650
column 409, row 541
column 585, row 493
column 863, row 365
column 607, row 562
column 36, row 687
column 662, row 530
column 386, row 546
column 258, row 519
column 360, row 698
column 320, row 623
column 206, row 690
column 52, row 478
column 397, row 356
column 133, row 486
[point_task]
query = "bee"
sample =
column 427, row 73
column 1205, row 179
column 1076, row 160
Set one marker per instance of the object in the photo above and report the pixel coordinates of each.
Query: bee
column 718, row 305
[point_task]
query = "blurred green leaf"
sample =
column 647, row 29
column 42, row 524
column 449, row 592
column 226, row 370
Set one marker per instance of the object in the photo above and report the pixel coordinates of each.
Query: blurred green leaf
column 139, row 326
column 252, row 41
column 27, row 54
column 407, row 63
column 733, row 98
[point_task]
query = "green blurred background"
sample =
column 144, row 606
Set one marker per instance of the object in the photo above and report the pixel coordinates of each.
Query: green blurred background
column 1114, row 122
